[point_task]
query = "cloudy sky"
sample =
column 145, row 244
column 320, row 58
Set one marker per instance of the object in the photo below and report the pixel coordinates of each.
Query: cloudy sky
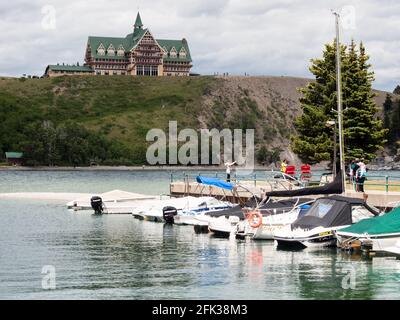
column 260, row 37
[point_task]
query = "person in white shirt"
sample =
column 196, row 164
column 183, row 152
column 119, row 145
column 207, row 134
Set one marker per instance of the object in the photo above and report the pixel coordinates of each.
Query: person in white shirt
column 228, row 170
column 361, row 174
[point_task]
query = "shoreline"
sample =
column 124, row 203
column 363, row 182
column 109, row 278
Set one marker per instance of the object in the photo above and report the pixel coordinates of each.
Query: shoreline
column 136, row 168
column 167, row 168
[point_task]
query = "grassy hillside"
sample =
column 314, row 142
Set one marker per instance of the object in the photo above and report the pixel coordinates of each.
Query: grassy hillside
column 113, row 114
column 121, row 109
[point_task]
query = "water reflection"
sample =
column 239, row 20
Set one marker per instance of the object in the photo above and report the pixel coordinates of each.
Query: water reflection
column 122, row 257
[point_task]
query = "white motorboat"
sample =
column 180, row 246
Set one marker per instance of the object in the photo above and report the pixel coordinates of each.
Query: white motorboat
column 115, row 201
column 394, row 250
column 272, row 217
column 186, row 209
column 317, row 227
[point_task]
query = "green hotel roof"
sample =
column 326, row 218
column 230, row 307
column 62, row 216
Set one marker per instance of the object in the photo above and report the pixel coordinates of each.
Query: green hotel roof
column 60, row 67
column 15, row 155
column 130, row 41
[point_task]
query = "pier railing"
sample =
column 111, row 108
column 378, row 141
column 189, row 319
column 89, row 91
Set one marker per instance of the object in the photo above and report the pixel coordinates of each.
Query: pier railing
column 378, row 182
column 387, row 183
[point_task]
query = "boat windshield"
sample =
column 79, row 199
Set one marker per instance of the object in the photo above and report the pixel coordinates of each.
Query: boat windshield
column 320, row 208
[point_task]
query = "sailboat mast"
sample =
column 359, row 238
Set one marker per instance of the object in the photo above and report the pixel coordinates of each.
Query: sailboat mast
column 339, row 102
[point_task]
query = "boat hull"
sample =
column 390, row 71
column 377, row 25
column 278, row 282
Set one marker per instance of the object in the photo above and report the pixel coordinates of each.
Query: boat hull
column 377, row 242
column 315, row 241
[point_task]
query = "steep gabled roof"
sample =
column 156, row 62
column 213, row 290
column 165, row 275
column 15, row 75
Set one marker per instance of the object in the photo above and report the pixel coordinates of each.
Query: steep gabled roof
column 94, row 43
column 132, row 39
column 178, row 45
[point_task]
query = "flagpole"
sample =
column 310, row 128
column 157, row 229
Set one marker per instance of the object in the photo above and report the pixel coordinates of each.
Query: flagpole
column 339, row 102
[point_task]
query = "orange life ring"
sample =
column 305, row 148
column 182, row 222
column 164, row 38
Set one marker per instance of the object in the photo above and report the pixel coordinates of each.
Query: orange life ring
column 252, row 221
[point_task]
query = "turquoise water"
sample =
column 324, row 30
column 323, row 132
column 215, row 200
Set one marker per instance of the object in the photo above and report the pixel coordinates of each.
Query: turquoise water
column 119, row 257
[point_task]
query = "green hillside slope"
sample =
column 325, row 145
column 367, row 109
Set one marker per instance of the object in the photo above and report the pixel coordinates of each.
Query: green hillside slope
column 118, row 110
column 76, row 120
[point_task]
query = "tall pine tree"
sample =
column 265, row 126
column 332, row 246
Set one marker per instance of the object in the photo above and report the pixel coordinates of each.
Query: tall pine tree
column 314, row 142
column 363, row 132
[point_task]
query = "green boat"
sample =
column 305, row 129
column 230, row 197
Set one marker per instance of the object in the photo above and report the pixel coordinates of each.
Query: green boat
column 381, row 232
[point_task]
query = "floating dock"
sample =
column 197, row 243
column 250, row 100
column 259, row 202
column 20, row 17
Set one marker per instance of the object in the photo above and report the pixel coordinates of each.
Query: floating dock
column 376, row 198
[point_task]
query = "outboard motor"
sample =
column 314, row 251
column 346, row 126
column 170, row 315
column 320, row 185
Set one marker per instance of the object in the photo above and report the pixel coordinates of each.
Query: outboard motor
column 168, row 214
column 97, row 204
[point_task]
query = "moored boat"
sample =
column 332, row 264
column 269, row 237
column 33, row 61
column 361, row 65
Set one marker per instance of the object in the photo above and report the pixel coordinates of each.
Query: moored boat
column 378, row 233
column 317, row 227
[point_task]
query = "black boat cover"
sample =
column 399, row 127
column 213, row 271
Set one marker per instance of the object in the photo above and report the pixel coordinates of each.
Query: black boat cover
column 271, row 205
column 330, row 212
column 334, row 187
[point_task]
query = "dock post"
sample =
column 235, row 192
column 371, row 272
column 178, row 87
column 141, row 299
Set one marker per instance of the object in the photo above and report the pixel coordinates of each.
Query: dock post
column 255, row 179
column 387, row 183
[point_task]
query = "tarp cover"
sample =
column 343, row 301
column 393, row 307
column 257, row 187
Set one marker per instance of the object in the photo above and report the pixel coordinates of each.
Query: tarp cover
column 230, row 212
column 214, row 182
column 280, row 205
column 328, row 212
column 334, row 187
column 388, row 223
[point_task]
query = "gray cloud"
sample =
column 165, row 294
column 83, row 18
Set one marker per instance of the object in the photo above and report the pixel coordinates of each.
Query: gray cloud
column 275, row 37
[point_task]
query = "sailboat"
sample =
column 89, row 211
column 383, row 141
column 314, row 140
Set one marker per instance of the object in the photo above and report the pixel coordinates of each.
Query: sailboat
column 317, row 228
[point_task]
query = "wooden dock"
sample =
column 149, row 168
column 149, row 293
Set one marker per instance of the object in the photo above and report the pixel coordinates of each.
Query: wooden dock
column 376, row 198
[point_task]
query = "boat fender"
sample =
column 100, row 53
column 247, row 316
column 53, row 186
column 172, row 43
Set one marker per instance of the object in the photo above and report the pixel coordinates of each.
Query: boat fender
column 97, row 204
column 169, row 213
column 255, row 219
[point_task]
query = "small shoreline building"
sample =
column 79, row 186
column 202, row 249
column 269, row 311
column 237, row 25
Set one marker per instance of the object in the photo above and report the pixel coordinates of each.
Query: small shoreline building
column 14, row 158
column 137, row 54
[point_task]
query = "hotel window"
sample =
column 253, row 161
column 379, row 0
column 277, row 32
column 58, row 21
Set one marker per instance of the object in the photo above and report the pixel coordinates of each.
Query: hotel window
column 139, row 70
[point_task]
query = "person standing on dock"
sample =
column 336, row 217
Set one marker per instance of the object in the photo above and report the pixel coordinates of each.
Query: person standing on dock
column 361, row 175
column 228, row 170
column 355, row 167
column 352, row 172
column 284, row 165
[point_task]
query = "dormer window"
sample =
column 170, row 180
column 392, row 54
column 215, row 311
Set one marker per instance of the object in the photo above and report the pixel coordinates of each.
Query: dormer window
column 111, row 50
column 101, row 51
column 121, row 51
column 165, row 52
column 173, row 53
column 182, row 53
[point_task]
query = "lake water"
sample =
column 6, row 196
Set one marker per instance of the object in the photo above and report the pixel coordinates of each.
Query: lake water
column 119, row 257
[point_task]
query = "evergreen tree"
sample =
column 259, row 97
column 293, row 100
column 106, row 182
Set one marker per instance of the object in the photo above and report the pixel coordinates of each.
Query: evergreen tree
column 363, row 133
column 396, row 90
column 388, row 104
column 314, row 141
column 394, row 130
